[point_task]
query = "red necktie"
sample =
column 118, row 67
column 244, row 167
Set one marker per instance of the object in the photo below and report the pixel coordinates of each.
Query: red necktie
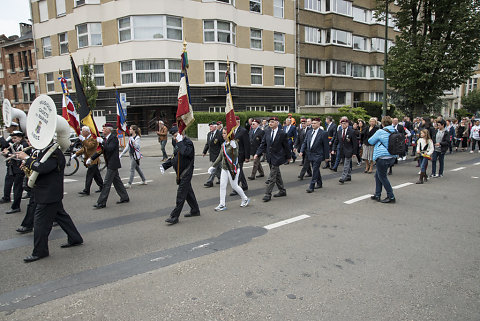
column 343, row 137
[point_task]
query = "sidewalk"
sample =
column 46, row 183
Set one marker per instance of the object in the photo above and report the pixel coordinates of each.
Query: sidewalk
column 150, row 147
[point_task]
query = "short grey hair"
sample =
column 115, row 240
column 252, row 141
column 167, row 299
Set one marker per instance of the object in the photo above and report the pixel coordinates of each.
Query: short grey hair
column 86, row 128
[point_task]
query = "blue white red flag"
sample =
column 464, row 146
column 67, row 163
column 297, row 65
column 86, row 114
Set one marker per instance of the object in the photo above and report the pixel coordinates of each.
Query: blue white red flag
column 185, row 110
column 121, row 117
column 68, row 108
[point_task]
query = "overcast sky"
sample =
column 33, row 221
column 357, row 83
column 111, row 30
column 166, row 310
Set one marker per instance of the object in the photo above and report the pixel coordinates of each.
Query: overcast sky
column 13, row 12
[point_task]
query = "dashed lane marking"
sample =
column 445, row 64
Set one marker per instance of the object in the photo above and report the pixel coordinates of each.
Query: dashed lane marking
column 285, row 222
column 358, row 199
column 402, row 185
column 69, row 180
column 148, row 181
column 457, row 169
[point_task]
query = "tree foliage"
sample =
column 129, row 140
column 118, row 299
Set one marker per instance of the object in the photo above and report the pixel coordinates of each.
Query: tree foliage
column 438, row 46
column 88, row 83
column 471, row 102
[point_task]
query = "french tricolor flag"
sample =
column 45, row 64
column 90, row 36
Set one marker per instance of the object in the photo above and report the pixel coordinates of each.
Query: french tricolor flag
column 121, row 117
column 231, row 123
column 68, row 108
column 184, row 111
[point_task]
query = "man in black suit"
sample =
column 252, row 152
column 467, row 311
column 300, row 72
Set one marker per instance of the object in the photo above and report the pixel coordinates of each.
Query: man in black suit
column 317, row 149
column 331, row 129
column 183, row 162
column 9, row 178
column 213, row 146
column 346, row 145
column 241, row 136
column 302, row 133
column 256, row 136
column 275, row 145
column 48, row 194
column 110, row 151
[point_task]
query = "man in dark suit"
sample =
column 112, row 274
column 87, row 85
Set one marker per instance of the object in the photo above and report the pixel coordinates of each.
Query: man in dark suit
column 48, row 194
column 275, row 145
column 346, row 145
column 291, row 132
column 317, row 149
column 302, row 133
column 331, row 130
column 110, row 151
column 241, row 136
column 9, row 178
column 213, row 146
column 183, row 162
column 256, row 137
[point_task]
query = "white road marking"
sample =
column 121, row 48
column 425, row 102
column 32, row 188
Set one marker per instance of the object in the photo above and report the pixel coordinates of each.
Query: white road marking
column 474, row 177
column 148, row 181
column 69, row 180
column 477, row 163
column 285, row 222
column 160, row 258
column 457, row 169
column 358, row 199
column 125, row 178
column 200, row 246
column 402, row 185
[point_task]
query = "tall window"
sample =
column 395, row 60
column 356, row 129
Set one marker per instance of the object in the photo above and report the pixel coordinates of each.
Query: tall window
column 60, row 5
column 312, row 98
column 150, row 71
column 360, row 14
column 313, row 35
column 359, row 71
column 341, row 68
column 219, row 31
column 339, row 98
column 2, row 94
column 11, row 58
column 150, row 28
column 376, row 72
column 20, row 61
column 339, row 6
column 278, row 6
column 89, row 34
column 215, row 72
column 339, row 37
column 256, row 6
column 315, row 5
column 63, row 42
column 279, row 75
column 256, row 75
column 28, row 89
column 279, row 42
column 359, row 43
column 50, row 82
column 99, row 75
column 313, row 67
column 255, row 38
column 15, row 93
column 43, row 8
column 47, row 47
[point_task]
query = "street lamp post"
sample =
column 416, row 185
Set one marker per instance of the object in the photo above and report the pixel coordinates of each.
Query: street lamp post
column 384, row 109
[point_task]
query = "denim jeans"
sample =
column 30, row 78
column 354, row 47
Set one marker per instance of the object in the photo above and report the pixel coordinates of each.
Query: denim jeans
column 440, row 156
column 423, row 164
column 381, row 178
column 163, row 143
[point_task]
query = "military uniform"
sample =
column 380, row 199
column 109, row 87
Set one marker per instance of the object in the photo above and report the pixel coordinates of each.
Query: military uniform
column 212, row 146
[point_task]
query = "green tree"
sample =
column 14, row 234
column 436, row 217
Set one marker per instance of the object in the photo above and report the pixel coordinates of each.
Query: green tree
column 88, row 83
column 438, row 46
column 471, row 102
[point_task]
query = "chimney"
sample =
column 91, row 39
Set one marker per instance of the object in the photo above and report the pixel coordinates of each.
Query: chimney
column 25, row 28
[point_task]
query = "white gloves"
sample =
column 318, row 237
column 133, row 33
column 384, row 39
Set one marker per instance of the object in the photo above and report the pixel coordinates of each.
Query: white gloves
column 81, row 138
column 233, row 144
column 99, row 139
column 73, row 156
column 211, row 170
column 179, row 138
column 162, row 170
column 89, row 161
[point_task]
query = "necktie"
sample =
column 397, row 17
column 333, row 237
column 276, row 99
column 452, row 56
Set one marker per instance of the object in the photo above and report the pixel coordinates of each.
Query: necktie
column 273, row 134
column 313, row 138
column 343, row 134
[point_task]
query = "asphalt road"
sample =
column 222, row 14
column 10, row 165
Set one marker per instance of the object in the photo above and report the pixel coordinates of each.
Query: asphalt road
column 417, row 259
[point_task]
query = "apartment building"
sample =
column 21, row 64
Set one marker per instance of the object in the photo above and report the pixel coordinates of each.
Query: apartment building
column 137, row 45
column 340, row 53
column 18, row 75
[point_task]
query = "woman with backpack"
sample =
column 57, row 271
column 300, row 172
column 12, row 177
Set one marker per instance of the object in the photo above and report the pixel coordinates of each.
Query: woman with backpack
column 133, row 148
column 424, row 151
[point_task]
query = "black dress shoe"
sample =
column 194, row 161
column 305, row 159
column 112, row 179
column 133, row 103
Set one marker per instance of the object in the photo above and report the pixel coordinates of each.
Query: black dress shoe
column 123, row 201
column 245, row 189
column 261, row 175
column 267, row 182
column 67, row 245
column 280, row 194
column 208, row 184
column 23, row 229
column 98, row 190
column 310, row 190
column 84, row 193
column 318, row 186
column 171, row 220
column 375, row 198
column 341, row 181
column 251, row 178
column 32, row 258
column 300, row 177
column 266, row 198
column 13, row 210
column 25, row 197
column 233, row 193
column 388, row 200
column 99, row 206
column 348, row 179
column 3, row 201
column 192, row 214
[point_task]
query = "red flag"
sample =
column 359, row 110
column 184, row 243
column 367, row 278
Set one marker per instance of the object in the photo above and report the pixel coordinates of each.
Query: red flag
column 68, row 108
column 229, row 112
column 184, row 111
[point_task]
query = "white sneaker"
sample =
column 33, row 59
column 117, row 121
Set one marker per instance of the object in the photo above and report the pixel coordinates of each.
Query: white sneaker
column 128, row 185
column 471, row 152
column 144, row 183
column 404, row 157
column 434, row 175
column 220, row 208
column 245, row 203
column 419, row 172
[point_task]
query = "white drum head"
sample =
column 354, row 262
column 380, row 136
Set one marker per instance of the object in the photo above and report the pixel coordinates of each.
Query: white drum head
column 7, row 112
column 41, row 122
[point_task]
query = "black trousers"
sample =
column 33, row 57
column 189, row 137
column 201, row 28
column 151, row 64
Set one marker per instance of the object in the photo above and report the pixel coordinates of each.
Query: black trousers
column 17, row 189
column 7, row 188
column 305, row 167
column 112, row 177
column 45, row 214
column 241, row 179
column 316, row 176
column 185, row 193
column 93, row 173
column 30, row 215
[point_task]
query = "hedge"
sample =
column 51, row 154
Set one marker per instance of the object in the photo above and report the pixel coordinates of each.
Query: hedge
column 375, row 108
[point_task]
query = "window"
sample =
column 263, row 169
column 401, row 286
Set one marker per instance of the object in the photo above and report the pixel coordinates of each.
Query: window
column 312, row 98
column 150, row 28
column 219, row 31
column 255, row 108
column 359, row 43
column 2, row 94
column 60, row 5
column 376, row 72
column 47, row 47
column 20, row 62
column 360, row 14
column 150, row 71
column 313, row 67
column 378, row 44
column 15, row 93
column 359, row 71
column 279, row 42
column 315, row 5
column 256, row 6
column 341, row 68
column 49, row 81
column 89, row 34
column 278, row 8
column 68, row 76
column 215, row 72
column 279, row 75
column 339, row 98
column 99, row 76
column 472, row 84
column 29, row 53
column 25, row 60
column 313, row 35
column 98, row 113
column 339, row 6
column 376, row 96
column 63, row 41
column 256, row 75
column 43, row 8
column 81, row 2
column 216, row 109
column 339, row 37
column 255, row 38
column 11, row 58
column 281, row 109
column 28, row 91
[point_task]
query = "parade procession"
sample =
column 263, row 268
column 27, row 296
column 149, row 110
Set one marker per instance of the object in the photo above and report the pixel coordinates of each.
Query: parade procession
column 240, row 160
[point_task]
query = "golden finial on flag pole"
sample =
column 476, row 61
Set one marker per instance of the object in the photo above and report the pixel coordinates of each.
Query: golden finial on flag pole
column 184, row 45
